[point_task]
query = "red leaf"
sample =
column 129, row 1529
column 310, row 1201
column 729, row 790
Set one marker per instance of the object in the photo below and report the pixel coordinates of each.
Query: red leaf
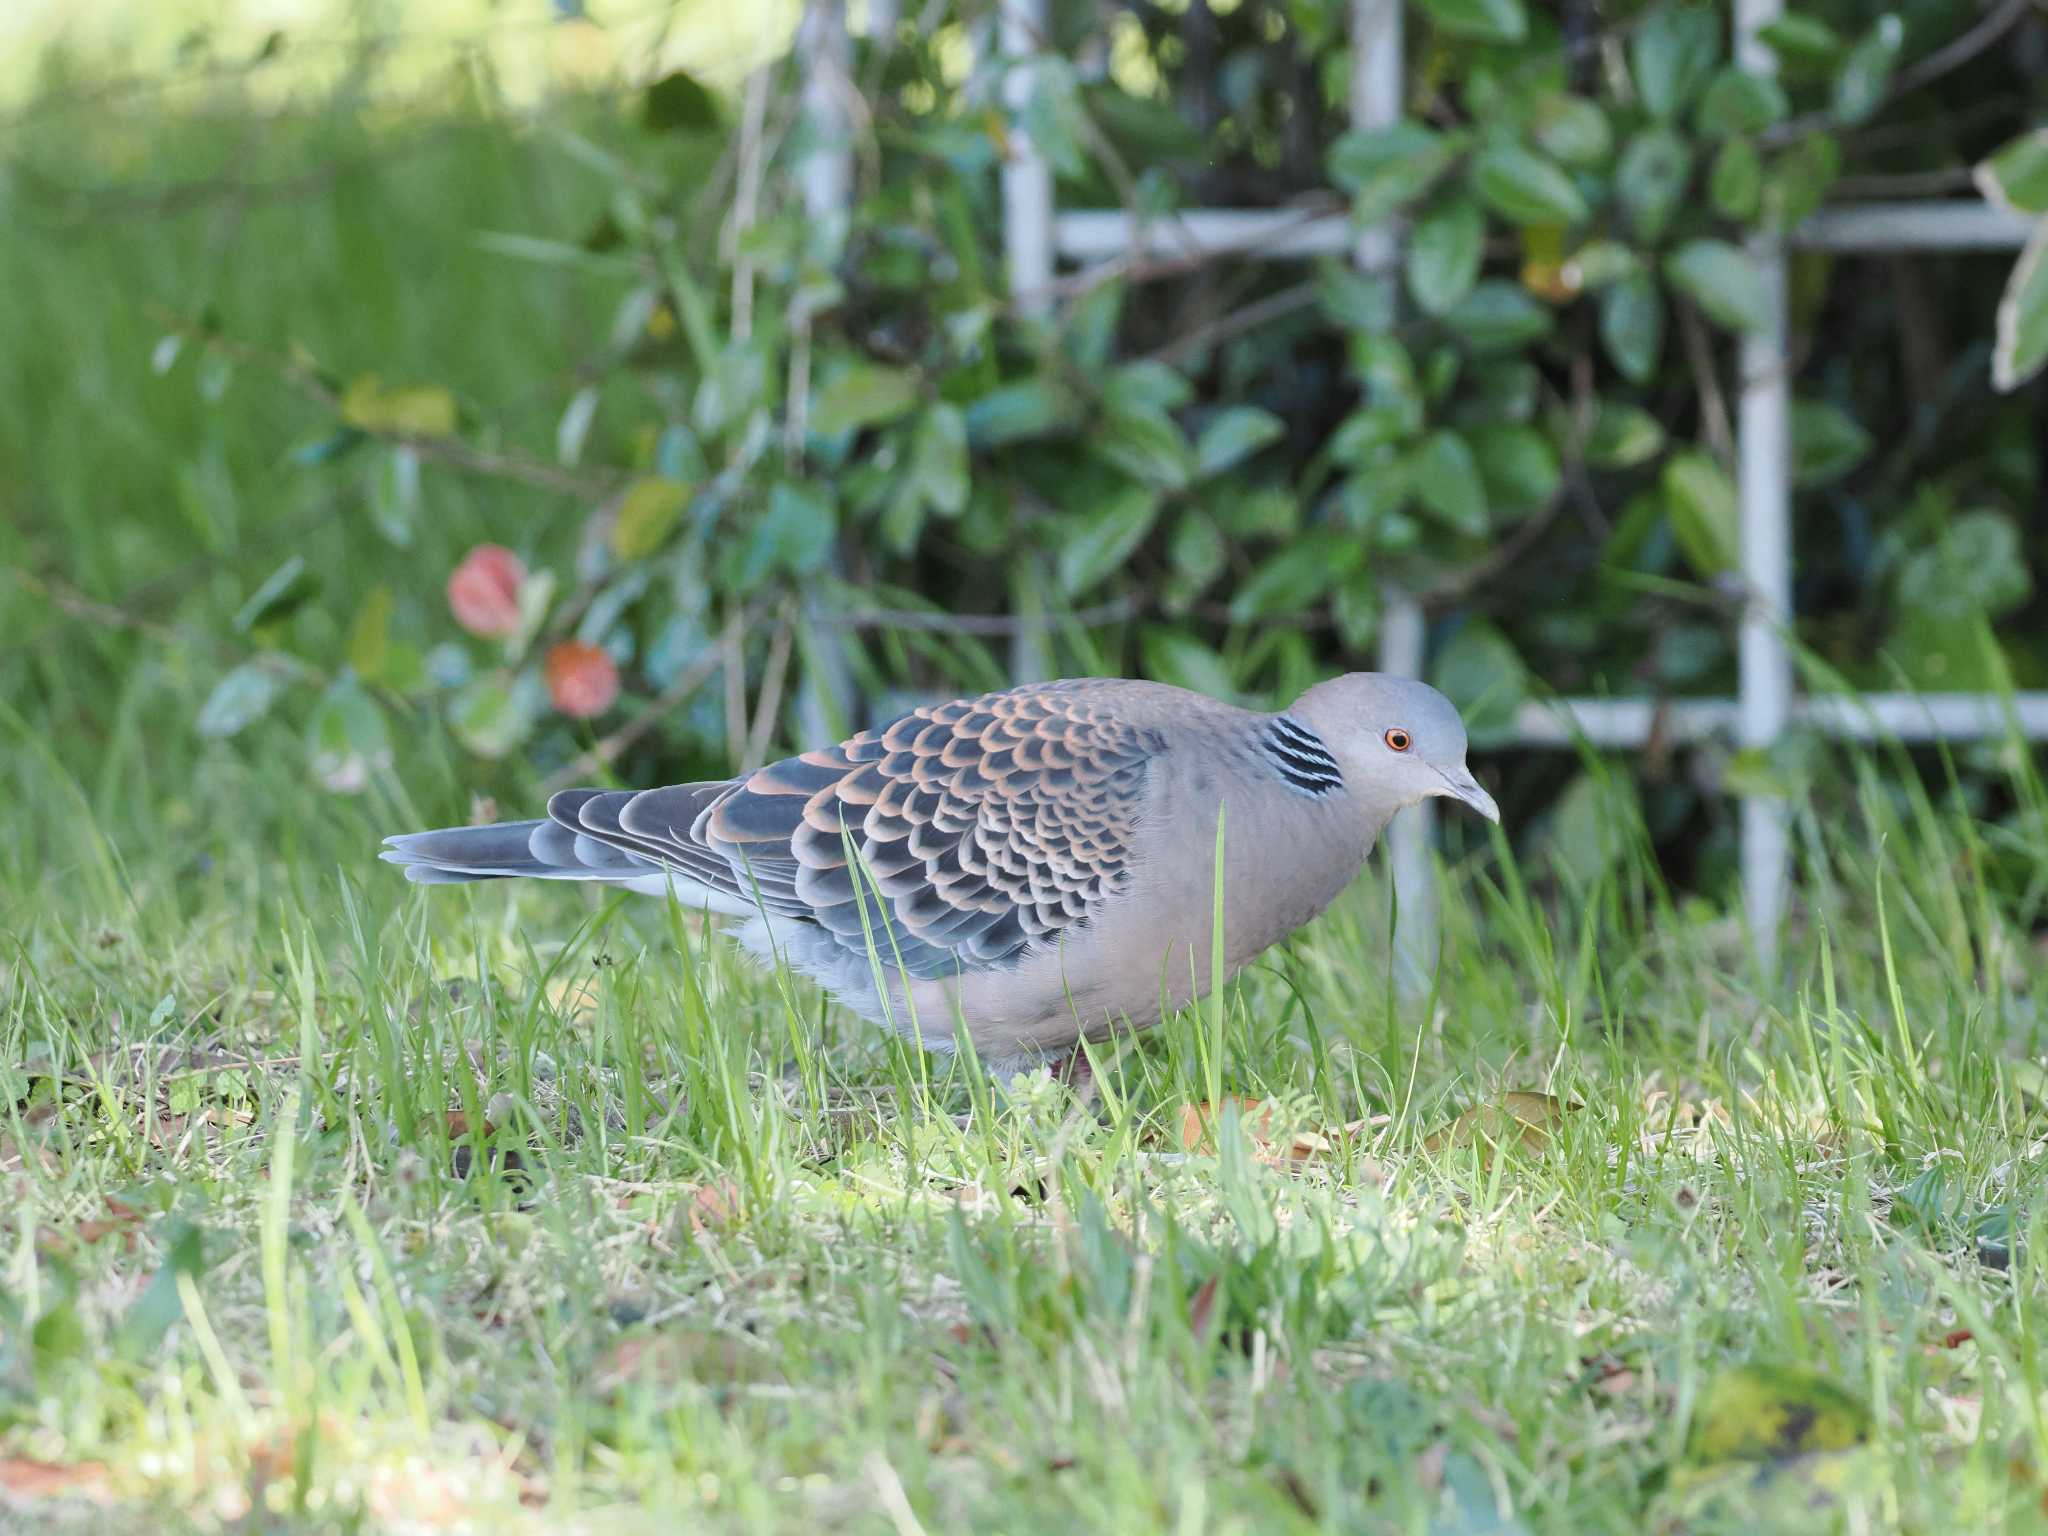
column 582, row 679
column 484, row 591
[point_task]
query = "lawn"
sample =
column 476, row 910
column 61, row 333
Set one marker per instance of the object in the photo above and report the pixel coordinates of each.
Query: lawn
column 332, row 1203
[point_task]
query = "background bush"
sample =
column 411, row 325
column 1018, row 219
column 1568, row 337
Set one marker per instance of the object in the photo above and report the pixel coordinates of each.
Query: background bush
column 295, row 357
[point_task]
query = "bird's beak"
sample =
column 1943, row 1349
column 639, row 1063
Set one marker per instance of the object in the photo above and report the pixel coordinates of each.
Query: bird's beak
column 1460, row 785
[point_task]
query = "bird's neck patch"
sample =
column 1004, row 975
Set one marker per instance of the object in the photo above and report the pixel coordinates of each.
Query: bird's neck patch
column 1300, row 758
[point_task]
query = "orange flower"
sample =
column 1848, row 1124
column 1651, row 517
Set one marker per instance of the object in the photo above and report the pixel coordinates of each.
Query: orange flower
column 484, row 591
column 582, row 679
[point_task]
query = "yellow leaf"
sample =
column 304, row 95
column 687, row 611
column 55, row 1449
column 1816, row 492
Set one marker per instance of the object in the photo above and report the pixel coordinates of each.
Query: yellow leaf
column 369, row 638
column 1766, row 1412
column 647, row 512
column 419, row 410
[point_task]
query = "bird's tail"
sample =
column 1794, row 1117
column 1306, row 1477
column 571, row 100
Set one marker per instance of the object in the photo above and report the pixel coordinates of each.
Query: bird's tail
column 534, row 850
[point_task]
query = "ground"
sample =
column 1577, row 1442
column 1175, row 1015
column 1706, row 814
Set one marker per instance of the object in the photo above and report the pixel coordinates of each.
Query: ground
column 337, row 1204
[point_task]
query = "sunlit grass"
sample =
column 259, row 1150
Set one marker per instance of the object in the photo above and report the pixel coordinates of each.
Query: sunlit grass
column 532, row 1207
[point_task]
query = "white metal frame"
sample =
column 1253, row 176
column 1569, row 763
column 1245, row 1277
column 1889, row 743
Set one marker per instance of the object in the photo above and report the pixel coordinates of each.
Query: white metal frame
column 1037, row 234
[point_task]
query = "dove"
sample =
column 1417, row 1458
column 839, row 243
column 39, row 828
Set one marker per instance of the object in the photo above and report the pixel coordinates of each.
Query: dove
column 1030, row 867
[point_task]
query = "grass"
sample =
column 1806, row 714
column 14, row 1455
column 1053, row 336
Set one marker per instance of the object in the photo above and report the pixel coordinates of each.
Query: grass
column 334, row 1204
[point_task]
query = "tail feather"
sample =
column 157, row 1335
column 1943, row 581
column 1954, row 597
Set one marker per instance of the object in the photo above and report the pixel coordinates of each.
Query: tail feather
column 535, row 850
column 555, row 849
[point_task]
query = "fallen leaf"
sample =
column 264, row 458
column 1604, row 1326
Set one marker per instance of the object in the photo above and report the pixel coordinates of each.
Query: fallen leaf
column 1768, row 1412
column 714, row 1206
column 1197, row 1123
column 1202, row 1309
column 1530, row 1118
column 22, row 1480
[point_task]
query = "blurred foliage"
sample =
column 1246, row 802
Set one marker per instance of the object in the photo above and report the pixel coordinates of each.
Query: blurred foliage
column 763, row 436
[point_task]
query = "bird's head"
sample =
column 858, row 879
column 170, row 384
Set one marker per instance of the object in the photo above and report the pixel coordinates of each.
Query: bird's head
column 1399, row 741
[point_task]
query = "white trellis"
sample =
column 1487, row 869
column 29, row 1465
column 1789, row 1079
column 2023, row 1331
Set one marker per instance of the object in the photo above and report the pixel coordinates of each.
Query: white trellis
column 1037, row 235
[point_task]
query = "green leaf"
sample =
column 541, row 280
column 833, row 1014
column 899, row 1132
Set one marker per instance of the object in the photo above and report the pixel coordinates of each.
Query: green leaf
column 647, row 513
column 280, row 596
column 1102, row 541
column 1651, row 180
column 862, row 394
column 938, row 459
column 1383, row 168
column 1482, row 673
column 1444, row 475
column 1674, row 54
column 1571, row 128
column 491, row 716
column 1147, row 445
column 1866, row 74
column 677, row 102
column 1146, row 385
column 1499, row 316
column 792, row 537
column 1525, row 187
column 347, row 740
column 1826, row 443
column 1723, row 281
column 369, row 635
column 1976, row 565
column 1632, row 326
column 238, row 700
column 1353, row 299
column 1798, row 179
column 1444, row 254
column 1180, row 659
column 1492, row 21
column 159, row 1307
column 394, row 493
column 1700, row 500
column 1234, row 435
column 2022, row 331
column 1291, row 581
column 1013, row 412
column 1622, row 436
column 1518, row 465
column 1801, row 39
column 2016, row 178
column 1739, row 102
column 1736, row 183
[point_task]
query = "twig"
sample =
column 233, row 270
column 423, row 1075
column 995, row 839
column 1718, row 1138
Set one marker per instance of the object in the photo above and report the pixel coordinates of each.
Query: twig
column 1249, row 317
column 977, row 623
column 745, row 202
column 769, row 704
column 732, row 651
column 1699, row 351
column 1924, row 71
column 450, row 451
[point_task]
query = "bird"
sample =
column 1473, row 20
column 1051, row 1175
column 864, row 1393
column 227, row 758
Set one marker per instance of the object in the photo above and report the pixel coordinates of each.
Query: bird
column 1029, row 867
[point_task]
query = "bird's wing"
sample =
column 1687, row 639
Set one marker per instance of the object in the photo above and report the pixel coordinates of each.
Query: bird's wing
column 981, row 826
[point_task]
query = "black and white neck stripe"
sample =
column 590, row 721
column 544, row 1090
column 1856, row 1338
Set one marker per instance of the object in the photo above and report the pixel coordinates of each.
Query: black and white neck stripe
column 1299, row 757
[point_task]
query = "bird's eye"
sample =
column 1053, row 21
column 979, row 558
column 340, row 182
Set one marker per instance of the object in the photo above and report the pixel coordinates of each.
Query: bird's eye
column 1399, row 739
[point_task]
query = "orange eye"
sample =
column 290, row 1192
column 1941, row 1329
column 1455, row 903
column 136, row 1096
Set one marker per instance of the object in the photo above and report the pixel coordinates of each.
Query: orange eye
column 1399, row 739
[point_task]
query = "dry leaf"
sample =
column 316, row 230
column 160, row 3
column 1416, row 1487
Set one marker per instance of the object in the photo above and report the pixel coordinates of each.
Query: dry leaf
column 1197, row 1122
column 1530, row 1118
column 1202, row 1309
column 22, row 1480
column 714, row 1206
